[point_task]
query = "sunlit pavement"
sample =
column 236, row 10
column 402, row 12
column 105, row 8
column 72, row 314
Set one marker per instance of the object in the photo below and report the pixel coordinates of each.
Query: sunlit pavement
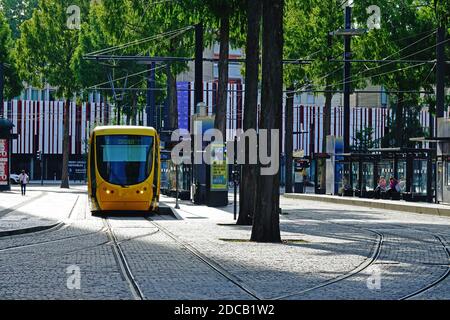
column 330, row 252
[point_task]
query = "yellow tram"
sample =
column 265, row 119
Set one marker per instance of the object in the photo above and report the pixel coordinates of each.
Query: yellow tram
column 124, row 169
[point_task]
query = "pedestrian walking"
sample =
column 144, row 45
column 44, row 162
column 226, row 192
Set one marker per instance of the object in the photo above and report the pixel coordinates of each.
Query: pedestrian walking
column 23, row 180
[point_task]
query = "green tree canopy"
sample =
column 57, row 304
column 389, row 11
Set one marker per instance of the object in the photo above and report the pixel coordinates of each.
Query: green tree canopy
column 12, row 83
column 16, row 12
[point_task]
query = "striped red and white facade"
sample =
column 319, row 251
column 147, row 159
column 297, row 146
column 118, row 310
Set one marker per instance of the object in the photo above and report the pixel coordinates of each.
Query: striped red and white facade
column 39, row 125
column 308, row 124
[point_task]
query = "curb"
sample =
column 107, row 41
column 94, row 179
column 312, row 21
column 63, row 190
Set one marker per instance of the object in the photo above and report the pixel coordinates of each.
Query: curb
column 16, row 232
column 401, row 206
column 165, row 209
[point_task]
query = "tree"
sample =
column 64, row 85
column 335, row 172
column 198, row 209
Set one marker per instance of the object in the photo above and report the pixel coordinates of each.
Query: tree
column 160, row 19
column 45, row 52
column 363, row 140
column 121, row 27
column 266, row 224
column 219, row 13
column 404, row 34
column 16, row 12
column 307, row 25
column 10, row 84
column 248, row 186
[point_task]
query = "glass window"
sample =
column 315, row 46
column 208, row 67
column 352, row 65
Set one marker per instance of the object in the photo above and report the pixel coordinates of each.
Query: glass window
column 367, row 176
column 321, row 173
column 52, row 95
column 383, row 97
column 386, row 169
column 124, row 159
column 401, row 175
column 420, row 176
column 345, row 184
column 34, row 94
column 355, row 175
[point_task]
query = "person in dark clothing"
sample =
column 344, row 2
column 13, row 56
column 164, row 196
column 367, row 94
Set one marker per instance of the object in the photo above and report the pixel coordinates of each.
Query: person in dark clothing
column 23, row 180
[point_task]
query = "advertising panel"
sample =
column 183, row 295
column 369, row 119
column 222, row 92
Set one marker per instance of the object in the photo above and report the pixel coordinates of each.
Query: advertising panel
column 219, row 168
column 4, row 164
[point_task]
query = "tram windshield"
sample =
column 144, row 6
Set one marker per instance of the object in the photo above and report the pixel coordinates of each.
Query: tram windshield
column 124, row 159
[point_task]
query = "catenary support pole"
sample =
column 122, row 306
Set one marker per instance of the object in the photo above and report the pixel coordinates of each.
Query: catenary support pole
column 347, row 73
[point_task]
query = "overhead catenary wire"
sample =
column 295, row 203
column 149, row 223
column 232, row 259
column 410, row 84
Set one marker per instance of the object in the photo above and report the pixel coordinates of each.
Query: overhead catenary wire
column 384, row 73
column 138, row 41
column 94, row 87
column 379, row 66
column 391, row 62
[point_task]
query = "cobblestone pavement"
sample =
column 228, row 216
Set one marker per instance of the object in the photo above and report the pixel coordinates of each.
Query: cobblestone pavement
column 330, row 252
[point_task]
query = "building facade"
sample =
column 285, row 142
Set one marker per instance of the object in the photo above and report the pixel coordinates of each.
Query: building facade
column 39, row 125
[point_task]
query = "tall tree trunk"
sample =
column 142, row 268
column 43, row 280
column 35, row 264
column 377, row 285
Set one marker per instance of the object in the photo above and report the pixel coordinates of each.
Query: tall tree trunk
column 173, row 99
column 221, row 110
column 248, row 185
column 266, row 222
column 327, row 116
column 65, row 150
column 289, row 138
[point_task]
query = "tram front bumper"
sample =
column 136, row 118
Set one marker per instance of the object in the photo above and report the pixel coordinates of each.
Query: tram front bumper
column 125, row 205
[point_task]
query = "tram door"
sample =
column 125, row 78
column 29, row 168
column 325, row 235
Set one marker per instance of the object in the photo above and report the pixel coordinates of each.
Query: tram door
column 439, row 182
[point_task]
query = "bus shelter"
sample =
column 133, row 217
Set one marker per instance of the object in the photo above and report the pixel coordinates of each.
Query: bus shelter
column 169, row 177
column 442, row 168
column 411, row 167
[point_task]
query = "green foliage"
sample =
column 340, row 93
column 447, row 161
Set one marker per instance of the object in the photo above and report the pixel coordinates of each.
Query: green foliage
column 412, row 128
column 92, row 38
column 363, row 140
column 13, row 85
column 307, row 24
column 16, row 12
column 406, row 33
column 46, row 47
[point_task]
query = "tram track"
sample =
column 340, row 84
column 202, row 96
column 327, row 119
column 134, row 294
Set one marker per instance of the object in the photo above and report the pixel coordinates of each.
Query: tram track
column 373, row 259
column 360, row 268
column 127, row 274
column 438, row 281
column 441, row 240
column 208, row 261
column 122, row 262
